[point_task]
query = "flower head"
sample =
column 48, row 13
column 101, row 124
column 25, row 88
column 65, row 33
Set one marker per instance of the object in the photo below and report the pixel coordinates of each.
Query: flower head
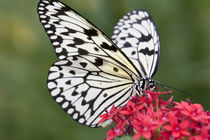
column 151, row 117
column 194, row 111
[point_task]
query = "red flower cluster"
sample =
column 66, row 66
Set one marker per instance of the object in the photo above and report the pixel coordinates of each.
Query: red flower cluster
column 152, row 118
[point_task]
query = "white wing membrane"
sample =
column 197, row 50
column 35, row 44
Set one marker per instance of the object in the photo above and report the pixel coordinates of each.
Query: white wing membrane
column 136, row 35
column 84, row 90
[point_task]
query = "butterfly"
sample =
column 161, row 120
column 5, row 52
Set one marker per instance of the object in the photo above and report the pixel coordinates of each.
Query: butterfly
column 93, row 72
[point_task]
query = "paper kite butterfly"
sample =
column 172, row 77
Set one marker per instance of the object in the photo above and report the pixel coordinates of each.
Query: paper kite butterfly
column 93, row 72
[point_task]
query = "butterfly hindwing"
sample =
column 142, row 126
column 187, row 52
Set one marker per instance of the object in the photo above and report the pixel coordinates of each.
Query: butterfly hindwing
column 136, row 35
column 85, row 90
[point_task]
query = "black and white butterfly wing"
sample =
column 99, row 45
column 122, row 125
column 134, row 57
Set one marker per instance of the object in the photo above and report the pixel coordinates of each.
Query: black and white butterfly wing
column 71, row 34
column 84, row 88
column 92, row 73
column 136, row 35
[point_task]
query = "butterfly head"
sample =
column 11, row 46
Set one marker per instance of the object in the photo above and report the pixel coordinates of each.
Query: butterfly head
column 146, row 84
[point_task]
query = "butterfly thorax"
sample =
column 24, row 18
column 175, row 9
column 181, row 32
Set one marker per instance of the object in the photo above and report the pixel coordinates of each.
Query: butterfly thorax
column 145, row 83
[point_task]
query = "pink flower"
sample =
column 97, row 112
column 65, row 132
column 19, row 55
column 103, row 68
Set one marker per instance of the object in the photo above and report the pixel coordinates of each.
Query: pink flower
column 131, row 108
column 116, row 131
column 164, row 103
column 195, row 111
column 109, row 114
column 162, row 116
column 144, row 124
column 205, row 134
column 178, row 129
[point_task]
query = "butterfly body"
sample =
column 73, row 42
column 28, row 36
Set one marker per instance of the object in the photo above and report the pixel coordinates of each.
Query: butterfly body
column 93, row 72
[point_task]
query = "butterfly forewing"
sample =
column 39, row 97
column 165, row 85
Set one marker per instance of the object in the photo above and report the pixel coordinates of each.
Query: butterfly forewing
column 71, row 34
column 136, row 35
column 92, row 73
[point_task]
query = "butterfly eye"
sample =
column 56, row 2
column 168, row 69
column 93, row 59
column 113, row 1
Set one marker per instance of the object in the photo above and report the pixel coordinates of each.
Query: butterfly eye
column 152, row 87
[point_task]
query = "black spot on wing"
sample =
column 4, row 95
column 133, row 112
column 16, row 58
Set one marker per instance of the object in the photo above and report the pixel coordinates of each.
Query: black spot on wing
column 84, row 93
column 78, row 41
column 133, row 52
column 127, row 44
column 91, row 32
column 105, row 95
column 84, row 102
column 96, row 49
column 69, row 63
column 59, row 67
column 146, row 51
column 61, row 75
column 68, row 82
column 75, row 58
column 122, row 38
column 82, row 52
column 69, row 32
column 98, row 62
column 74, row 93
column 72, row 72
column 115, row 69
column 65, row 8
column 113, row 48
column 56, row 22
column 145, row 38
column 83, row 64
column 104, row 45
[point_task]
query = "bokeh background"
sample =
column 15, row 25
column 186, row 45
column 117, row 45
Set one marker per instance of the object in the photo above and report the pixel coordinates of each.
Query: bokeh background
column 27, row 110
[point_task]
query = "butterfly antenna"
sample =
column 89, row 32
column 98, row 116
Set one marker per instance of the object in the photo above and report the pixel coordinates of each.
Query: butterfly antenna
column 162, row 85
column 179, row 90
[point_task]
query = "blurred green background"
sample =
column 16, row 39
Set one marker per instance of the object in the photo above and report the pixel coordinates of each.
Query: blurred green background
column 27, row 111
